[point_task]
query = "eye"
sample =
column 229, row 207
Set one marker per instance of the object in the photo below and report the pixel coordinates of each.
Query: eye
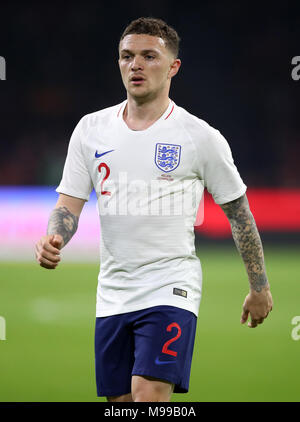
column 149, row 57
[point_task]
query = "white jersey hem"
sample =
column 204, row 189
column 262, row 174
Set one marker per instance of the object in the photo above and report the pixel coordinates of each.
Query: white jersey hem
column 231, row 197
column 180, row 303
column 72, row 192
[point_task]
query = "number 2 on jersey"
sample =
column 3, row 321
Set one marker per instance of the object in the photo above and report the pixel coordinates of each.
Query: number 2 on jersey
column 167, row 343
column 107, row 169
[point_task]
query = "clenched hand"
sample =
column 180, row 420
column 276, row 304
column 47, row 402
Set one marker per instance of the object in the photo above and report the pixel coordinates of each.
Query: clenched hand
column 258, row 305
column 47, row 251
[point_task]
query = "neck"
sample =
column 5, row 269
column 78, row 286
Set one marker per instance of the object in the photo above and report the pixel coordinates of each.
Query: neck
column 139, row 115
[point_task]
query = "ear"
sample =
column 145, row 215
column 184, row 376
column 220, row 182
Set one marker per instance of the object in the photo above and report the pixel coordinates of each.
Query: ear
column 174, row 67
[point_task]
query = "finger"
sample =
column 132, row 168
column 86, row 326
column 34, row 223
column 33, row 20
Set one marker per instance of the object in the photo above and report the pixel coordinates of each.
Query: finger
column 254, row 322
column 57, row 241
column 48, row 267
column 36, row 252
column 42, row 253
column 44, row 262
column 50, row 248
column 244, row 316
column 47, row 264
column 50, row 256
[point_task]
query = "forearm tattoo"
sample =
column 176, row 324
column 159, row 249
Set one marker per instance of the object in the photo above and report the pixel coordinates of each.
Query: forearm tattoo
column 247, row 240
column 63, row 222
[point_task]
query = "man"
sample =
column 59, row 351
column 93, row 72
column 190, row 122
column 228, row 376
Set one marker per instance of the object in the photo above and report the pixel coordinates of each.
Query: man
column 145, row 157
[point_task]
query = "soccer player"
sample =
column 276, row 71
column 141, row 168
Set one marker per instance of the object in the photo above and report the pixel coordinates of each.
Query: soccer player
column 148, row 160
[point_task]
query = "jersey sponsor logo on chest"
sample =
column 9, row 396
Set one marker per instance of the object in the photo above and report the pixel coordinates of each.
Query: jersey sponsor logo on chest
column 167, row 156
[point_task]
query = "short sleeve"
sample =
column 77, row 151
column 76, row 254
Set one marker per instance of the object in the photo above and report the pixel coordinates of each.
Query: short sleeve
column 221, row 177
column 76, row 180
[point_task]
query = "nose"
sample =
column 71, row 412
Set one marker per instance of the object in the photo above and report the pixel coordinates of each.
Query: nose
column 136, row 64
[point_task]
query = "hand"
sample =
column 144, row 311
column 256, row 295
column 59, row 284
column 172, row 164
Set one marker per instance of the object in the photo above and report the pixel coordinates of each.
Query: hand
column 47, row 251
column 258, row 304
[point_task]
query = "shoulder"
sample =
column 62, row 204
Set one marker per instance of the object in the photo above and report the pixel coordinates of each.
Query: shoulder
column 202, row 134
column 190, row 121
column 99, row 118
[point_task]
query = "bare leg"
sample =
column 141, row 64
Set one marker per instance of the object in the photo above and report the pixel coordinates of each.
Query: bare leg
column 123, row 398
column 148, row 389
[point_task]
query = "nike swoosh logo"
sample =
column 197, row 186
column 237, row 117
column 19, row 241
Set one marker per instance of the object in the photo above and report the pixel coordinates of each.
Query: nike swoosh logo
column 103, row 153
column 163, row 362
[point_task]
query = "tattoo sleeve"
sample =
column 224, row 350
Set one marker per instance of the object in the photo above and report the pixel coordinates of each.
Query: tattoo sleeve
column 247, row 240
column 63, row 222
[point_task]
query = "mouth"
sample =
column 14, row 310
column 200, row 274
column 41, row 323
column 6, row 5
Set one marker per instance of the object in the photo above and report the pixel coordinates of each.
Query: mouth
column 137, row 80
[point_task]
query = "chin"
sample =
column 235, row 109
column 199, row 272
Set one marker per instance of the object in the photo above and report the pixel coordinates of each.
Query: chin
column 135, row 93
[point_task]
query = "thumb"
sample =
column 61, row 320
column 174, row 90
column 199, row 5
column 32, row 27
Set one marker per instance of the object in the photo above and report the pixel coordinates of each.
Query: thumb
column 57, row 241
column 244, row 315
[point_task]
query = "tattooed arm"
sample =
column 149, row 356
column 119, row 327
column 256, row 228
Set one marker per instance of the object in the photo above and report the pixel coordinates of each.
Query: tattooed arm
column 62, row 222
column 62, row 225
column 246, row 237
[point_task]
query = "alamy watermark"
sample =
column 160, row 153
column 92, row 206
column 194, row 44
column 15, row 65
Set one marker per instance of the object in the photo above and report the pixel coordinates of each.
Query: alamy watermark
column 164, row 196
column 296, row 330
column 2, row 69
column 2, row 328
column 296, row 70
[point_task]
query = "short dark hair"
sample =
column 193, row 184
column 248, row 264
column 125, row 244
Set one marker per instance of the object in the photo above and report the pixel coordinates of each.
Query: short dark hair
column 156, row 27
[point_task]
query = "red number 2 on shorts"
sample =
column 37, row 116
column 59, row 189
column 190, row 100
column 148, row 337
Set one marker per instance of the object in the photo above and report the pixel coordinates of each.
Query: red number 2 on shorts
column 167, row 343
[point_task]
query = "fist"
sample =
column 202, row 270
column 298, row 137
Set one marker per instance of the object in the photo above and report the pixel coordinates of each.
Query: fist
column 47, row 251
column 257, row 305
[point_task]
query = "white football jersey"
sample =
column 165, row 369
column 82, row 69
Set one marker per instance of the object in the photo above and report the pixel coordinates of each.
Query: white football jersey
column 149, row 184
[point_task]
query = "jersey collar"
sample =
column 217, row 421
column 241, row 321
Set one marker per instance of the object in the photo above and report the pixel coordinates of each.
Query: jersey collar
column 166, row 115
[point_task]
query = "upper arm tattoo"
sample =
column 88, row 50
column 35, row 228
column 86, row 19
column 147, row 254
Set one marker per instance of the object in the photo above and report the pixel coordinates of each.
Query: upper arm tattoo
column 247, row 240
column 62, row 222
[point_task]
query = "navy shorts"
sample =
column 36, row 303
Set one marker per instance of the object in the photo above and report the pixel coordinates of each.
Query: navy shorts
column 156, row 342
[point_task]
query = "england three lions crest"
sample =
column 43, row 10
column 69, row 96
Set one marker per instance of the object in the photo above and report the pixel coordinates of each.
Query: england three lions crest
column 167, row 156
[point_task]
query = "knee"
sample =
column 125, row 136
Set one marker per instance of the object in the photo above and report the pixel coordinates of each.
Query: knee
column 147, row 390
column 149, row 396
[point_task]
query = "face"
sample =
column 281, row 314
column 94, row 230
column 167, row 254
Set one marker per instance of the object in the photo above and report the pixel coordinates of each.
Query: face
column 146, row 65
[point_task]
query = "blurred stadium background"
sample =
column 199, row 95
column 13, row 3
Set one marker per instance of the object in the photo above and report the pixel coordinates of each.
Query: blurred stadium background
column 236, row 74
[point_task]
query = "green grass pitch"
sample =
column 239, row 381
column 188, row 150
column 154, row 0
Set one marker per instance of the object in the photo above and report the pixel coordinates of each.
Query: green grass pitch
column 48, row 354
